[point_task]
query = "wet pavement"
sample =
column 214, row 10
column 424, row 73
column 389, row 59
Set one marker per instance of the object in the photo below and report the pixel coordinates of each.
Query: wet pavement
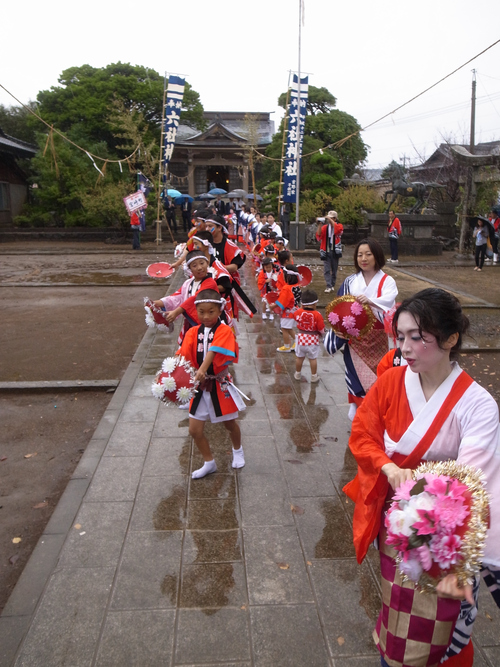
column 141, row 565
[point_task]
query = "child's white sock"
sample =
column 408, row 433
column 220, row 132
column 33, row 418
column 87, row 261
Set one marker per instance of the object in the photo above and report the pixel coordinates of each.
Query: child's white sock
column 238, row 458
column 206, row 469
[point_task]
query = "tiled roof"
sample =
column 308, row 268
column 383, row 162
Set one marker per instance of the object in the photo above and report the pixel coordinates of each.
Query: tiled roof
column 16, row 146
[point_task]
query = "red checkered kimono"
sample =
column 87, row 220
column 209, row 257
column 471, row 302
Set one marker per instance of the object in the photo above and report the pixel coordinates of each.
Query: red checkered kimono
column 221, row 340
column 396, row 423
column 310, row 326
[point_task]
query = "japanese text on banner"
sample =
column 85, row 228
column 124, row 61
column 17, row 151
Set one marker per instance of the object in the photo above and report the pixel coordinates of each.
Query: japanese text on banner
column 295, row 136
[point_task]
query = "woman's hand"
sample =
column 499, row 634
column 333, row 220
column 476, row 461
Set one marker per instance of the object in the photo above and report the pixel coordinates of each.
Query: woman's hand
column 158, row 304
column 396, row 475
column 448, row 587
column 362, row 298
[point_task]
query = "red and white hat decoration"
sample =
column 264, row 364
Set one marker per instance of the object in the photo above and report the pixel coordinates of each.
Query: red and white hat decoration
column 160, row 270
column 174, row 383
column 155, row 317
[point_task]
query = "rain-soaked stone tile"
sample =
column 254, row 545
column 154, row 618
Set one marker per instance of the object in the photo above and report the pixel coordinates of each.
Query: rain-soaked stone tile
column 265, row 351
column 338, row 457
column 160, row 504
column 336, row 581
column 213, row 585
column 138, row 409
column 129, row 439
column 276, row 384
column 270, row 366
column 214, row 486
column 329, row 421
column 98, row 541
column 488, row 620
column 294, row 437
column 323, row 527
column 264, row 500
column 222, row 453
column 213, row 514
column 288, row 635
column 276, row 570
column 262, row 338
column 358, row 661
column 493, row 655
column 313, row 394
column 284, row 406
column 261, row 456
column 167, row 456
column 116, row 478
column 149, row 571
column 171, row 422
column 244, row 374
column 65, row 629
column 256, row 328
column 204, row 637
column 212, row 546
column 139, row 637
column 307, row 476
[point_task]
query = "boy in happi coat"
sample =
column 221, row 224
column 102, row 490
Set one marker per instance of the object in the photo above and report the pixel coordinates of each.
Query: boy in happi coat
column 211, row 347
column 286, row 305
column 269, row 279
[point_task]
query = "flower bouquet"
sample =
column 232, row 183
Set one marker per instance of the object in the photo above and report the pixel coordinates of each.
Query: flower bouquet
column 437, row 524
column 155, row 317
column 174, row 382
column 349, row 318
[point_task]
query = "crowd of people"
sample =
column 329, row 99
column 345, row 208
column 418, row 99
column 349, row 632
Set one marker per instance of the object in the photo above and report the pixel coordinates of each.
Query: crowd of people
column 408, row 404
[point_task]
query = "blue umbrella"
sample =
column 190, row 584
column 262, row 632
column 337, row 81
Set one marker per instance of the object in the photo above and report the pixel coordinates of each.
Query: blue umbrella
column 259, row 198
column 174, row 193
column 203, row 197
column 182, row 199
column 217, row 191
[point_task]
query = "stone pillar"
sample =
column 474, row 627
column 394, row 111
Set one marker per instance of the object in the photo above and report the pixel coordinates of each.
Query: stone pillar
column 297, row 235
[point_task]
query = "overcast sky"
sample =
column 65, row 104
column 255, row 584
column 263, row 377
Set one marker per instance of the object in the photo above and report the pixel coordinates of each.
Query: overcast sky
column 373, row 56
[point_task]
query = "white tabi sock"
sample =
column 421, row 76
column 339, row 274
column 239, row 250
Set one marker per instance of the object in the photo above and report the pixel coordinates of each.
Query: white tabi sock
column 206, row 469
column 238, row 458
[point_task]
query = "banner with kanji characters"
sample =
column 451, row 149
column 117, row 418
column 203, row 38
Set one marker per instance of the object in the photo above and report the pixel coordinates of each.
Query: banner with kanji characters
column 135, row 202
column 295, row 138
column 173, row 106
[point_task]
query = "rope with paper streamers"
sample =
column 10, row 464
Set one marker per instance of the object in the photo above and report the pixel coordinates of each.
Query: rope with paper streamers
column 341, row 142
column 50, row 141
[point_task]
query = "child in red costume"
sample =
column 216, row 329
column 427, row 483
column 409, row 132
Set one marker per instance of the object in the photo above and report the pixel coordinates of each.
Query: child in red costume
column 286, row 307
column 310, row 327
column 211, row 347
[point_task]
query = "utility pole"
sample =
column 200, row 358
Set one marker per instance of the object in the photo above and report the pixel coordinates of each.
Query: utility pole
column 469, row 177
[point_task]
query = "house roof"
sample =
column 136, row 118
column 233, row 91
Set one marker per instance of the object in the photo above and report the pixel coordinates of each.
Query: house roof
column 227, row 127
column 15, row 146
column 443, row 155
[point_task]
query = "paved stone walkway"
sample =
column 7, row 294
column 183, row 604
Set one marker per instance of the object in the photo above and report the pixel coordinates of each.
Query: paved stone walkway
column 142, row 566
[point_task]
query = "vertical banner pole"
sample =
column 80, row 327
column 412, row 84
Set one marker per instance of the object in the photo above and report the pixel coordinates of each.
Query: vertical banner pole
column 160, row 165
column 285, row 127
column 299, row 124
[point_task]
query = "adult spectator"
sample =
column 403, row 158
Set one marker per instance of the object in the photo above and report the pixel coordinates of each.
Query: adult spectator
column 135, row 226
column 220, row 207
column 394, row 231
column 329, row 235
column 273, row 224
column 170, row 213
column 186, row 214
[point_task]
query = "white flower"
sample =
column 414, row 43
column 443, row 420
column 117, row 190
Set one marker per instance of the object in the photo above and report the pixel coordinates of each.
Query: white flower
column 169, row 364
column 423, row 501
column 163, row 328
column 150, row 320
column 400, row 522
column 168, row 383
column 411, row 568
column 157, row 390
column 184, row 394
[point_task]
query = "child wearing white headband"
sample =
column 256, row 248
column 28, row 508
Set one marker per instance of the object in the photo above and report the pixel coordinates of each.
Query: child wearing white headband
column 210, row 347
column 311, row 328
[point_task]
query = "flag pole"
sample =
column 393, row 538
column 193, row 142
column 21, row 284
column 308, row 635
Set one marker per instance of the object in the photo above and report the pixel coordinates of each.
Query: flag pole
column 297, row 196
column 160, row 164
column 285, row 119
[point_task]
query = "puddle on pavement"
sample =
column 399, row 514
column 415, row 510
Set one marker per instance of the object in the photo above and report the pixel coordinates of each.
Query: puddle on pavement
column 170, row 512
column 207, row 586
column 336, row 540
column 99, row 278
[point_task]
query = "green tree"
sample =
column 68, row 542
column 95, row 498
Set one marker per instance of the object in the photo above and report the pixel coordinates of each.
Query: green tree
column 325, row 125
column 14, row 121
column 354, row 201
column 80, row 105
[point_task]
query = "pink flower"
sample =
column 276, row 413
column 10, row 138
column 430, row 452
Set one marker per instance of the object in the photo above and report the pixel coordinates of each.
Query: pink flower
column 427, row 523
column 425, row 556
column 352, row 331
column 399, row 542
column 437, row 485
column 445, row 549
column 333, row 318
column 403, row 491
column 450, row 513
column 348, row 321
column 356, row 308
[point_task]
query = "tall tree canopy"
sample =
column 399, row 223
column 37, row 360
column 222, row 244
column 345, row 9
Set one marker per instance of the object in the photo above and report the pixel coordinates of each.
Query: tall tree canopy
column 108, row 111
column 325, row 125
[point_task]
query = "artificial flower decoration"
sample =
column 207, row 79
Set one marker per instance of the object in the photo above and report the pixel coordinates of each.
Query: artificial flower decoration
column 174, row 383
column 350, row 318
